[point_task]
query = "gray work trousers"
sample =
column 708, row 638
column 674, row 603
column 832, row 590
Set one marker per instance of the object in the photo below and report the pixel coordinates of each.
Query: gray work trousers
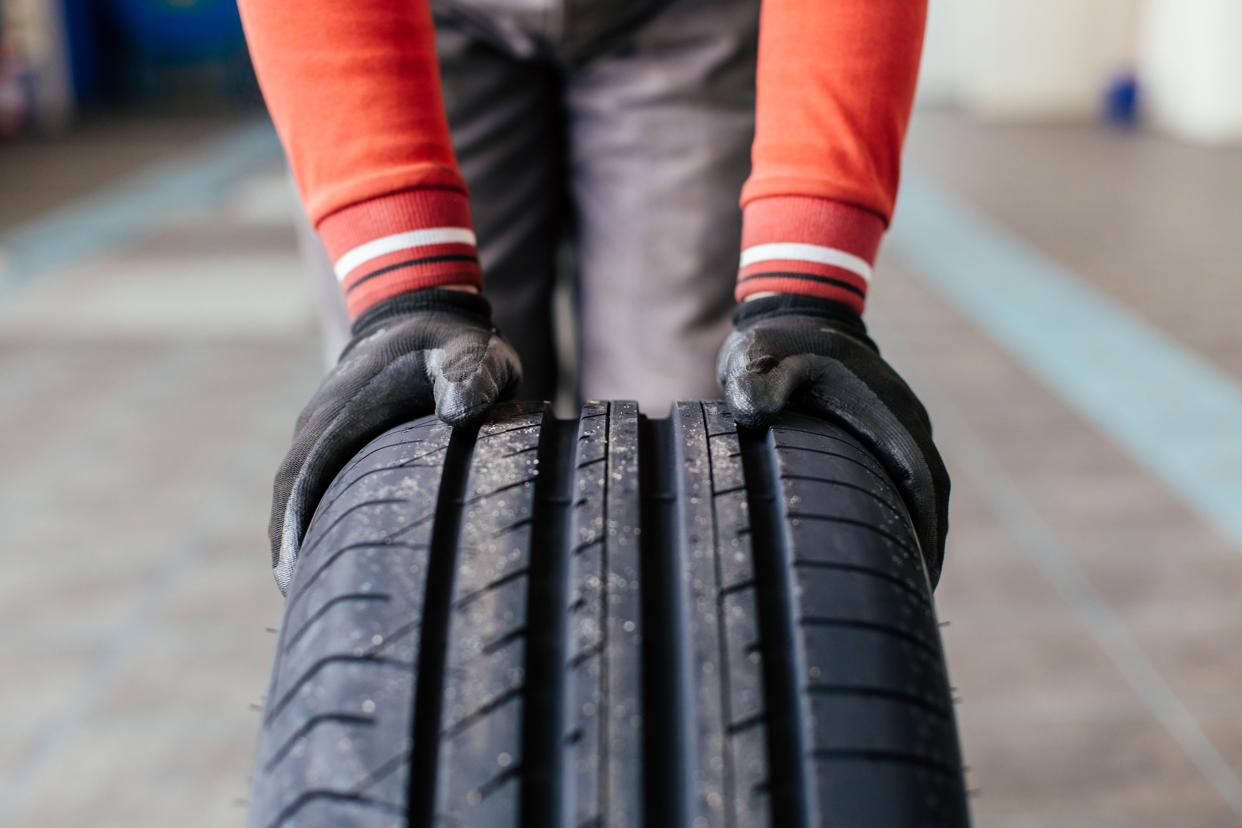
column 622, row 127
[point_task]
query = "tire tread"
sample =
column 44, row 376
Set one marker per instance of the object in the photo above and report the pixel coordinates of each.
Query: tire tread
column 610, row 622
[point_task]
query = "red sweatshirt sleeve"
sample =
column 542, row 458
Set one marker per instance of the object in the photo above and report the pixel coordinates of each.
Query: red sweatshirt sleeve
column 353, row 87
column 835, row 87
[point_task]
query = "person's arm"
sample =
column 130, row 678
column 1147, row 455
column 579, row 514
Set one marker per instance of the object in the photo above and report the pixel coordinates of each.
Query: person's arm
column 354, row 89
column 835, row 86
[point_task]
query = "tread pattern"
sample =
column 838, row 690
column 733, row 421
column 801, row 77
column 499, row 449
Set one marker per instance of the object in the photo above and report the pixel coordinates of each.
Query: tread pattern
column 874, row 699
column 484, row 684
column 612, row 621
column 343, row 666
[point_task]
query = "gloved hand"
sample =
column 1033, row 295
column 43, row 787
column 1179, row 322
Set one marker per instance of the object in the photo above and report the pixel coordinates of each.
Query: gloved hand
column 814, row 356
column 429, row 350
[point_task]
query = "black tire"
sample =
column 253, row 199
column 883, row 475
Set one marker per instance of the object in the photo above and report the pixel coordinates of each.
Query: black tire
column 715, row 629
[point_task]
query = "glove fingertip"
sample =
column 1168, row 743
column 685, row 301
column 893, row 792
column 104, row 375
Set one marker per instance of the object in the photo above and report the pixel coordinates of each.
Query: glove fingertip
column 463, row 404
column 462, row 418
column 745, row 413
column 752, row 420
column 753, row 400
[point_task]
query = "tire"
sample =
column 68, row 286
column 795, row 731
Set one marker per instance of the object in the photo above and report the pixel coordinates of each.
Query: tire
column 613, row 621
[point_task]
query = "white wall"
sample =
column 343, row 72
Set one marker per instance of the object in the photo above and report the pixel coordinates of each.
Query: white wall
column 1026, row 59
column 1019, row 60
column 941, row 72
column 1191, row 67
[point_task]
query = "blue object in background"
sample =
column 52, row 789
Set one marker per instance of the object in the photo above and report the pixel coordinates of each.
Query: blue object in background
column 120, row 48
column 1121, row 100
column 87, row 66
column 179, row 31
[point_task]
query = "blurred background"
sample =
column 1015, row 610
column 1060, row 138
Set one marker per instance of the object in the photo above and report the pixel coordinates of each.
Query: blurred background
column 1061, row 286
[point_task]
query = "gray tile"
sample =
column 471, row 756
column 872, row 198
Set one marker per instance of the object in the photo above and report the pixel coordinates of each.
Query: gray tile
column 1121, row 768
column 150, row 770
column 989, row 663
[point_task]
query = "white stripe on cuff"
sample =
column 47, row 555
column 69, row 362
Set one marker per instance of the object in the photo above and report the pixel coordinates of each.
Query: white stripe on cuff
column 807, row 253
column 375, row 248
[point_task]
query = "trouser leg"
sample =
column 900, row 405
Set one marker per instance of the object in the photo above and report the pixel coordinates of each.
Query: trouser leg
column 660, row 135
column 505, row 115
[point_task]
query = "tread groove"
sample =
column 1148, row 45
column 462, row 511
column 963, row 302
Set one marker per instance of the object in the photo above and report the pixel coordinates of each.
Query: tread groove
column 357, row 461
column 429, row 681
column 406, row 464
column 845, row 441
column 881, row 693
column 303, row 554
column 423, row 426
column 844, row 521
column 301, row 588
column 666, row 780
column 310, row 724
column 810, row 478
column 786, row 732
column 583, row 547
column 891, row 756
column 885, row 629
column 496, row 644
column 500, row 490
column 480, row 712
column 727, row 758
column 541, row 795
column 497, row 782
column 509, row 527
column 508, row 577
column 740, row 586
column 869, row 571
column 325, row 607
column 582, row 656
column 313, row 795
column 867, row 467
column 492, row 435
column 746, row 724
column 310, row 672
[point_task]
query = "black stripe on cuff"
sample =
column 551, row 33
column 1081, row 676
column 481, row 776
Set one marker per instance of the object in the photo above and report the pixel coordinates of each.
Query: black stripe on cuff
column 807, row 277
column 450, row 257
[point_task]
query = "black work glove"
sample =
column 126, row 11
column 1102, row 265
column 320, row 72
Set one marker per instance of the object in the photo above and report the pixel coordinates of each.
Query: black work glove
column 814, row 356
column 429, row 350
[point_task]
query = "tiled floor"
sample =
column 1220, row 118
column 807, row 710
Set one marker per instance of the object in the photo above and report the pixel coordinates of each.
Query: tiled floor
column 146, row 397
column 1093, row 618
column 1087, row 610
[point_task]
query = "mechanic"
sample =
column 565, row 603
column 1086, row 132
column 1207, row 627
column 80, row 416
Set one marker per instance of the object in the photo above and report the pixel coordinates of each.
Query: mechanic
column 628, row 127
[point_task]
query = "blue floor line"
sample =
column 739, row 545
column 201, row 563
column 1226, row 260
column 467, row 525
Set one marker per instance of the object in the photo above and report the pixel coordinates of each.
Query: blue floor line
column 133, row 208
column 1165, row 406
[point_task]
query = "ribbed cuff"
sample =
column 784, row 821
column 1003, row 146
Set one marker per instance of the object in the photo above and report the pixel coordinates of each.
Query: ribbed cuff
column 808, row 246
column 407, row 241
column 431, row 300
